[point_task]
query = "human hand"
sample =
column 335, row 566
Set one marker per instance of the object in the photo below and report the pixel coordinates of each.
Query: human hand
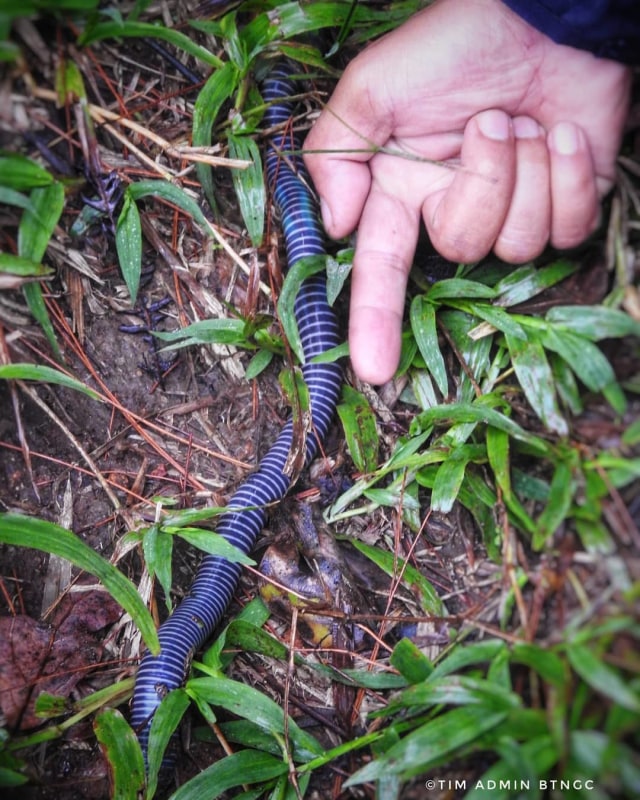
column 529, row 130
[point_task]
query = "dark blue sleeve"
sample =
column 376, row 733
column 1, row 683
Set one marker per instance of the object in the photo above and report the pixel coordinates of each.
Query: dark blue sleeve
column 606, row 28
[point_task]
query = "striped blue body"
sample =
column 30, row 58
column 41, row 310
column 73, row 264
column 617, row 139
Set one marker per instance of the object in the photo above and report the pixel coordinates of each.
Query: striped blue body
column 193, row 621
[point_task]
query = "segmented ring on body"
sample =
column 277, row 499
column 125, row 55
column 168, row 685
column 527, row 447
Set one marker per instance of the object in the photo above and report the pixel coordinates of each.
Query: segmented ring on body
column 194, row 620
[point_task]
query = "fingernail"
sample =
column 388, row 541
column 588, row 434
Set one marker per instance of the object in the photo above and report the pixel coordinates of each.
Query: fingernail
column 495, row 125
column 327, row 219
column 564, row 139
column 526, row 128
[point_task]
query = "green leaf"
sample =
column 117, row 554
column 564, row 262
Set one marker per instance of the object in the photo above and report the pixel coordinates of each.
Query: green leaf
column 69, row 85
column 219, row 87
column 110, row 30
column 582, row 356
column 603, row 678
column 560, row 497
column 213, row 543
column 536, row 379
column 129, row 244
column 479, row 412
column 249, row 703
column 39, row 221
column 157, row 547
column 439, row 740
column 449, row 479
column 249, row 185
column 258, row 364
column 463, row 656
column 359, row 423
column 303, row 268
column 527, row 281
column 247, row 766
column 495, row 316
column 206, row 331
column 40, row 373
column 17, row 265
column 34, row 232
column 459, row 287
column 594, row 322
column 49, row 538
column 458, row 690
column 498, row 455
column 423, row 325
column 123, row 753
column 544, row 661
column 163, row 725
column 410, row 661
column 412, row 577
column 338, row 270
column 21, row 173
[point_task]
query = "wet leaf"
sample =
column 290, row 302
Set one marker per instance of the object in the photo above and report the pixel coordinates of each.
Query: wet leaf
column 123, row 754
column 206, row 331
column 303, row 268
column 43, row 374
column 582, row 356
column 410, row 661
column 17, row 265
column 536, row 379
column 21, row 173
column 157, row 547
column 359, row 424
column 594, row 322
column 34, row 232
column 555, row 512
column 129, row 245
column 247, row 766
column 338, row 270
column 448, row 480
column 412, row 577
column 213, row 544
column 249, row 185
column 603, row 678
column 41, row 535
column 459, row 287
column 258, row 364
column 544, row 661
column 218, row 89
column 438, row 740
column 423, row 325
column 163, row 725
column 249, row 703
column 527, row 281
column 109, row 30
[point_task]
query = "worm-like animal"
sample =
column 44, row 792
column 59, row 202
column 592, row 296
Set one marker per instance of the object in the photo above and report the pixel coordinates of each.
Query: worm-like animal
column 193, row 621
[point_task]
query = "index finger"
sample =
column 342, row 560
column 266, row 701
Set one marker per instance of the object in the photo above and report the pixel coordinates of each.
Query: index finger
column 387, row 238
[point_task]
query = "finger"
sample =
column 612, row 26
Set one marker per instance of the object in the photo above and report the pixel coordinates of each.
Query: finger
column 345, row 137
column 386, row 243
column 574, row 195
column 465, row 219
column 527, row 226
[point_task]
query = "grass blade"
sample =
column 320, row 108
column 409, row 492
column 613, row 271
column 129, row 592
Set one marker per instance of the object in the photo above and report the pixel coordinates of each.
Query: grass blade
column 423, row 324
column 536, row 379
column 50, row 538
column 123, row 754
column 249, row 185
column 129, row 245
column 37, row 372
column 361, row 431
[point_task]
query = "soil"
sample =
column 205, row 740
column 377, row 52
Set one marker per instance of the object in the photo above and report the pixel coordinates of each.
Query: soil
column 188, row 427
